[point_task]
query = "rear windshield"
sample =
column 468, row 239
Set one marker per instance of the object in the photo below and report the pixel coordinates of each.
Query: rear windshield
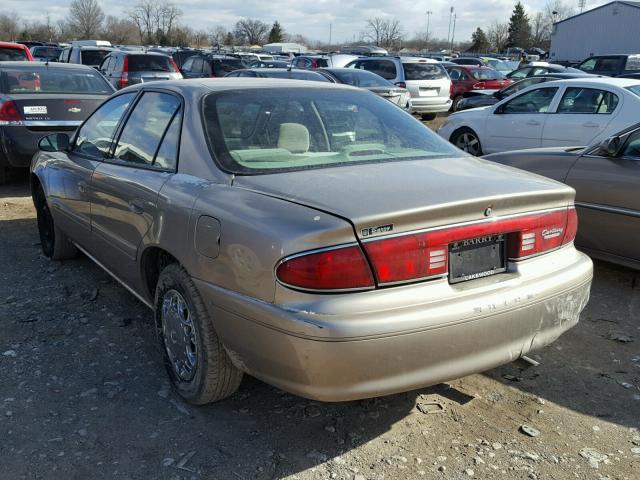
column 423, row 71
column 321, row 62
column 361, row 78
column 294, row 75
column 222, row 66
column 266, row 130
column 93, row 57
column 46, row 52
column 488, row 74
column 52, row 80
column 149, row 63
column 12, row 55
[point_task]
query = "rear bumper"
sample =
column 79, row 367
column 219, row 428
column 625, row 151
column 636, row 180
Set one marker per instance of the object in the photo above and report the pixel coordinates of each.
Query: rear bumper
column 364, row 349
column 431, row 105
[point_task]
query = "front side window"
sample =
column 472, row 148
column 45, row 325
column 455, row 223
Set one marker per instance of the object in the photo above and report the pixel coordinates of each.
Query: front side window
column 145, row 128
column 521, row 73
column 535, row 101
column 188, row 65
column 587, row 100
column 266, row 130
column 632, row 147
column 96, row 135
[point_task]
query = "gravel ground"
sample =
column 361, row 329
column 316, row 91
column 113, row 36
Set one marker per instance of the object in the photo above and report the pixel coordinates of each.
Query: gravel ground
column 83, row 394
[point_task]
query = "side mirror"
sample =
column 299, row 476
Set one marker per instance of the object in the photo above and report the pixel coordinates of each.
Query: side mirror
column 56, row 142
column 609, row 147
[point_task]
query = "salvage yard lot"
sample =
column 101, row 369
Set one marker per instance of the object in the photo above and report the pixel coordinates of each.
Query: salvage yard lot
column 83, row 394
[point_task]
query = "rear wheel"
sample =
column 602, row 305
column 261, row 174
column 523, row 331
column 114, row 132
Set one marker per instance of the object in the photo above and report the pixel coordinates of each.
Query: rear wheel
column 467, row 140
column 197, row 363
column 455, row 104
column 428, row 116
column 54, row 243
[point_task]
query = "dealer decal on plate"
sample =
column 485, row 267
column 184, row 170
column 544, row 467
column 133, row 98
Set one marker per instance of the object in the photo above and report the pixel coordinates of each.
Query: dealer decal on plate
column 35, row 110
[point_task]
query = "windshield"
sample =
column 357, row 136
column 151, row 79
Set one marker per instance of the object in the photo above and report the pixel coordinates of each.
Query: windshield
column 499, row 65
column 52, row 80
column 361, row 78
column 266, row 130
column 13, row 55
column 149, row 63
column 423, row 71
column 93, row 57
column 488, row 74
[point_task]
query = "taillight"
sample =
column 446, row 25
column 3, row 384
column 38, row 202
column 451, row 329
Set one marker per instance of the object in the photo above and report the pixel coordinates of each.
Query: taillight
column 401, row 84
column 479, row 86
column 173, row 65
column 124, row 76
column 450, row 88
column 9, row 113
column 544, row 232
column 342, row 268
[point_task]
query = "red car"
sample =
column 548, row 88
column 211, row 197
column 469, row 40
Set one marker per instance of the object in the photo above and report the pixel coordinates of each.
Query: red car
column 470, row 77
column 14, row 52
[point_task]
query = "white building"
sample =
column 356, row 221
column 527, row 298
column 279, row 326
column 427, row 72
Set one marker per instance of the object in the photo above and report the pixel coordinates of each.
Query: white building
column 608, row 29
column 284, row 48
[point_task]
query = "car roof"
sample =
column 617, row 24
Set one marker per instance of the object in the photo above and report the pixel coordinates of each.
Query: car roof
column 474, row 67
column 13, row 45
column 53, row 65
column 616, row 82
column 237, row 83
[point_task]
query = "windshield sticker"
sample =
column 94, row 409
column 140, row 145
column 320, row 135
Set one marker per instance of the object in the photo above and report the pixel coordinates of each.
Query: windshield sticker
column 367, row 232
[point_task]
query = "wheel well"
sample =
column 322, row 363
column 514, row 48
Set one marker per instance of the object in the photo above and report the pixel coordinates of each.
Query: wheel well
column 153, row 262
column 460, row 130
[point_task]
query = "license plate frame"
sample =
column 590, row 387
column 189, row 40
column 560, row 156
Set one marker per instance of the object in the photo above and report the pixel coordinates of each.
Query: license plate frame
column 477, row 258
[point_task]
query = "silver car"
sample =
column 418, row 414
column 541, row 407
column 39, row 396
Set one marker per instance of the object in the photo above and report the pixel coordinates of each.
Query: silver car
column 312, row 235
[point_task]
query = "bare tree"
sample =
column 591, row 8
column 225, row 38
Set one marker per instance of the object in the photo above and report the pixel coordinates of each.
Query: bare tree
column 253, row 32
column 9, row 26
column 383, row 32
column 86, row 17
column 155, row 20
column 218, row 36
column 120, row 31
column 498, row 35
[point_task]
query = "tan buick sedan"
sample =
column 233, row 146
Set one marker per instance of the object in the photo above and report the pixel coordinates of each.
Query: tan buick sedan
column 314, row 236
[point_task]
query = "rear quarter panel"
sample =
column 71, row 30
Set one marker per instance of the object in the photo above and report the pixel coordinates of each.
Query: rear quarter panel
column 550, row 164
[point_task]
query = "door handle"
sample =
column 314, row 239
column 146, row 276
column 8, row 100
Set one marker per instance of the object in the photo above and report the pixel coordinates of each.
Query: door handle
column 533, row 122
column 590, row 124
column 136, row 206
column 82, row 187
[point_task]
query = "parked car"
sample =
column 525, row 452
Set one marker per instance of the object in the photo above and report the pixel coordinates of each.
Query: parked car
column 477, row 98
column 124, row 68
column 611, row 65
column 606, row 177
column 560, row 113
column 467, row 78
column 313, row 62
column 29, row 43
column 86, row 52
column 475, row 61
column 14, row 52
column 364, row 51
column 372, row 82
column 311, row 235
column 426, row 80
column 532, row 69
column 207, row 65
column 37, row 99
column 45, row 53
column 268, row 64
column 179, row 55
column 283, row 73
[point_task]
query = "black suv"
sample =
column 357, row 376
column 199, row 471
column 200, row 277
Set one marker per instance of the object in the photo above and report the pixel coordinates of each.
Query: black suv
column 611, row 65
column 204, row 66
column 124, row 68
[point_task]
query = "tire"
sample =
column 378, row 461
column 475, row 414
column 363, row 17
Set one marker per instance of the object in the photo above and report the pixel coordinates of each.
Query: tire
column 195, row 359
column 467, row 140
column 454, row 104
column 54, row 243
column 428, row 116
column 4, row 175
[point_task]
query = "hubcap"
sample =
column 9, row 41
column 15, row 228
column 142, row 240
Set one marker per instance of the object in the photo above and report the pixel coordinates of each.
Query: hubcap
column 469, row 143
column 179, row 333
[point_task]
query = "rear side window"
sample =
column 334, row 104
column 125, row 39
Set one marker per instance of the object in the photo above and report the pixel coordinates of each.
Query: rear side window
column 587, row 100
column 321, row 62
column 149, row 63
column 522, row 84
column 602, row 64
column 93, row 57
column 95, row 136
column 188, row 65
column 633, row 63
column 145, row 128
column 13, row 55
column 423, row 71
column 385, row 68
column 222, row 66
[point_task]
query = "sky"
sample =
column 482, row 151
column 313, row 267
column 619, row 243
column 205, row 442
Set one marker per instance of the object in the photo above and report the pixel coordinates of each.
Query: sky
column 312, row 18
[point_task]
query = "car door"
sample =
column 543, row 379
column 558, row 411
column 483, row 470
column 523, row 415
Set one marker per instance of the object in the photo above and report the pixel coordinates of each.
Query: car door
column 460, row 81
column 608, row 202
column 69, row 180
column 125, row 186
column 581, row 116
column 518, row 122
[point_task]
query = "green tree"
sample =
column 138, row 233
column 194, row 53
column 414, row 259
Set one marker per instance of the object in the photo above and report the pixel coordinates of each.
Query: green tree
column 276, row 34
column 479, row 41
column 519, row 28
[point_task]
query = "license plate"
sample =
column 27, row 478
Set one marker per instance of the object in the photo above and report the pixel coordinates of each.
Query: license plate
column 477, row 258
column 429, row 92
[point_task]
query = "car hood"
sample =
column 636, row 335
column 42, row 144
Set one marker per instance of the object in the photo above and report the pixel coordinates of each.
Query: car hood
column 414, row 194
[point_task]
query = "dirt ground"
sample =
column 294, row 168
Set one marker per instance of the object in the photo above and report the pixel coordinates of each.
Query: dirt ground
column 83, row 395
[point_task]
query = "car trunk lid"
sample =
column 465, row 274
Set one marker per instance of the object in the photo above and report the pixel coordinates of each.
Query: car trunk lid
column 55, row 111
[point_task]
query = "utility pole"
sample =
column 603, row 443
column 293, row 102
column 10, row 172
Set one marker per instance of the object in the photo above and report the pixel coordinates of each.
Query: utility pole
column 330, row 36
column 581, row 4
column 453, row 33
column 426, row 39
column 450, row 17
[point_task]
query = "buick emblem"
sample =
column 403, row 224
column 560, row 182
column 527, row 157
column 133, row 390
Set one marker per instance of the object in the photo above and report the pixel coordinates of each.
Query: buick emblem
column 487, row 212
column 75, row 109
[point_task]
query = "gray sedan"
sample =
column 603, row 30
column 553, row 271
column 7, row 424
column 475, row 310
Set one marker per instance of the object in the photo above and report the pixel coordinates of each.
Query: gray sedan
column 312, row 235
column 607, row 180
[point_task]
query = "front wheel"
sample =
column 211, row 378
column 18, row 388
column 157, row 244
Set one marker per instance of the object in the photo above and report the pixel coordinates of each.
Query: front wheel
column 467, row 140
column 54, row 243
column 455, row 105
column 197, row 363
